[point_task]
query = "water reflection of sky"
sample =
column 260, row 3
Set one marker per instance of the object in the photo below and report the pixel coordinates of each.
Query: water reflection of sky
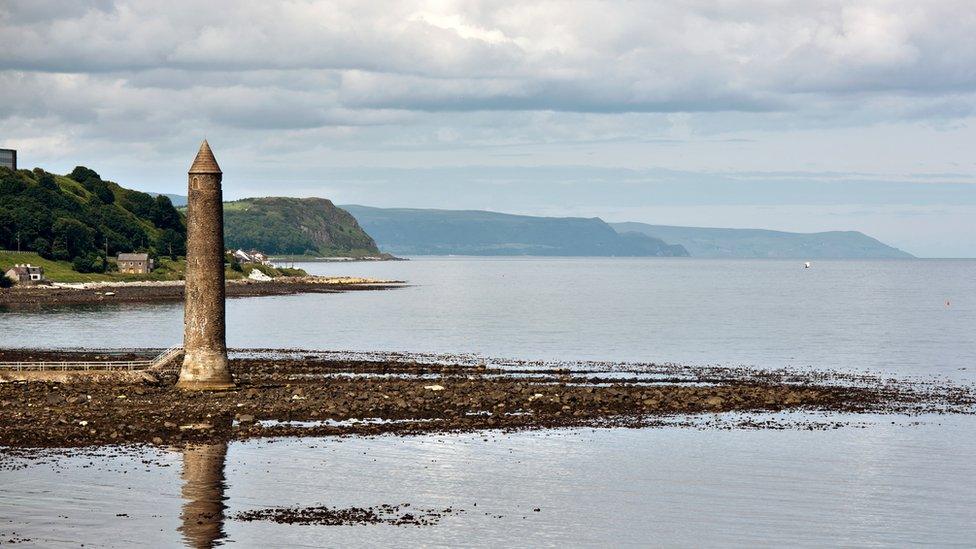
column 882, row 484
column 875, row 315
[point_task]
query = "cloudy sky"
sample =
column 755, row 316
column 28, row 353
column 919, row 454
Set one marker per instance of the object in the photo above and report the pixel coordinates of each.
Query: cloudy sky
column 795, row 115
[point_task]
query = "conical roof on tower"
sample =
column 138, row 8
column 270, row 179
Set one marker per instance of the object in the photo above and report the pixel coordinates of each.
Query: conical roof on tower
column 205, row 161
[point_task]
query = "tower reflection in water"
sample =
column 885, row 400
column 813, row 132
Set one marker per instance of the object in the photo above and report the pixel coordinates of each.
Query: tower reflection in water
column 203, row 494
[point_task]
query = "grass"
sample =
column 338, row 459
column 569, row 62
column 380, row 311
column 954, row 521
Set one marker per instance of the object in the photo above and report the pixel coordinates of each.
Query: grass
column 57, row 271
column 166, row 269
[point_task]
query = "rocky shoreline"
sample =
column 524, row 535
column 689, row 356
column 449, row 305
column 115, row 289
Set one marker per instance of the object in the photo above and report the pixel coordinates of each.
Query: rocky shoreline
column 134, row 292
column 316, row 395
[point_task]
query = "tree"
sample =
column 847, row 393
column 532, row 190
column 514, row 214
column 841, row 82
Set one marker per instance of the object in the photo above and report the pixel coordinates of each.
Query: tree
column 46, row 180
column 164, row 215
column 102, row 191
column 7, row 229
column 84, row 175
column 171, row 243
column 72, row 238
column 10, row 182
column 235, row 265
column 42, row 247
column 138, row 203
column 89, row 263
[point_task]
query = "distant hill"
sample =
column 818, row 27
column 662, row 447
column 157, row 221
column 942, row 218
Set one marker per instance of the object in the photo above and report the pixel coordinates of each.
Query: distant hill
column 295, row 226
column 448, row 232
column 758, row 243
column 79, row 218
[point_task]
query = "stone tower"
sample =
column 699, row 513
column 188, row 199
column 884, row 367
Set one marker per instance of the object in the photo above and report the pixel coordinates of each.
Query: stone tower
column 204, row 343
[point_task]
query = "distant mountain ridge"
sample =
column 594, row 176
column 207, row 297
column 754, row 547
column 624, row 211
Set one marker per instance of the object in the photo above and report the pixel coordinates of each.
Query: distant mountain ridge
column 295, row 226
column 761, row 243
column 408, row 231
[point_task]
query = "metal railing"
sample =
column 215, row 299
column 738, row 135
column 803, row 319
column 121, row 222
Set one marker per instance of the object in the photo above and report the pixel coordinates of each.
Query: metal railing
column 85, row 365
column 165, row 357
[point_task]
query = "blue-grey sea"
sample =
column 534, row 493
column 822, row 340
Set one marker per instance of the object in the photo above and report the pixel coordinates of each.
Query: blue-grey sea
column 883, row 481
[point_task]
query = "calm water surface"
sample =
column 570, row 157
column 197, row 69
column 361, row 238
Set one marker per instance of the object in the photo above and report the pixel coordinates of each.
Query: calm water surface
column 890, row 482
column 878, row 315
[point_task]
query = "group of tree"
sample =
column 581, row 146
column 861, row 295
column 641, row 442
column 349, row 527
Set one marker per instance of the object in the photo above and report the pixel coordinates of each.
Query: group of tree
column 294, row 226
column 83, row 219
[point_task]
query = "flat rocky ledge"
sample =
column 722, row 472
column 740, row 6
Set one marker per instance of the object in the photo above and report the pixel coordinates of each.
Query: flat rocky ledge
column 296, row 393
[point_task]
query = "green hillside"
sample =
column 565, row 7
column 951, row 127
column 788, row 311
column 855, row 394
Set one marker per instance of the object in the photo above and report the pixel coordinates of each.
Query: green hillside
column 295, row 226
column 80, row 219
column 760, row 243
column 57, row 271
column 462, row 232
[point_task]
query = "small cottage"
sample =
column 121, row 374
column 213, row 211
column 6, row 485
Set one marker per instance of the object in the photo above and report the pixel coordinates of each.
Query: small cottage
column 135, row 263
column 26, row 274
column 259, row 257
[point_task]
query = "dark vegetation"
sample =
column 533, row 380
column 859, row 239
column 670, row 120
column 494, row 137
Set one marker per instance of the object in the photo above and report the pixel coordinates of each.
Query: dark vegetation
column 295, row 226
column 83, row 219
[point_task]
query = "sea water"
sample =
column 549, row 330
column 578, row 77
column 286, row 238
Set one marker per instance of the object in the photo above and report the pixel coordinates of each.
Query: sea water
column 884, row 480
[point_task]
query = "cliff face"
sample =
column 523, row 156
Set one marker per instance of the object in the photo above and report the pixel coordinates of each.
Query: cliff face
column 295, row 226
column 448, row 232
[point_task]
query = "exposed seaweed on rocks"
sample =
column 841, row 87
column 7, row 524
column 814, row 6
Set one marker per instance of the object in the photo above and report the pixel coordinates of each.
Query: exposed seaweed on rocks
column 394, row 515
column 307, row 393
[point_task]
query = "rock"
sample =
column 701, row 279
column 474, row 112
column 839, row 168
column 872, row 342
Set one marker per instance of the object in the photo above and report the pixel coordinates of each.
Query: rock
column 434, row 387
column 245, row 418
column 157, row 440
column 196, row 427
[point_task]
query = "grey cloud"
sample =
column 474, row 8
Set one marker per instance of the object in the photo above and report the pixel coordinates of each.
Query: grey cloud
column 846, row 99
column 552, row 186
column 374, row 90
column 695, row 57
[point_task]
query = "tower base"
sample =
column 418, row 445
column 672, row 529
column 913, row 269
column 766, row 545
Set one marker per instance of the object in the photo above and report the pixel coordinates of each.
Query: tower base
column 205, row 370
